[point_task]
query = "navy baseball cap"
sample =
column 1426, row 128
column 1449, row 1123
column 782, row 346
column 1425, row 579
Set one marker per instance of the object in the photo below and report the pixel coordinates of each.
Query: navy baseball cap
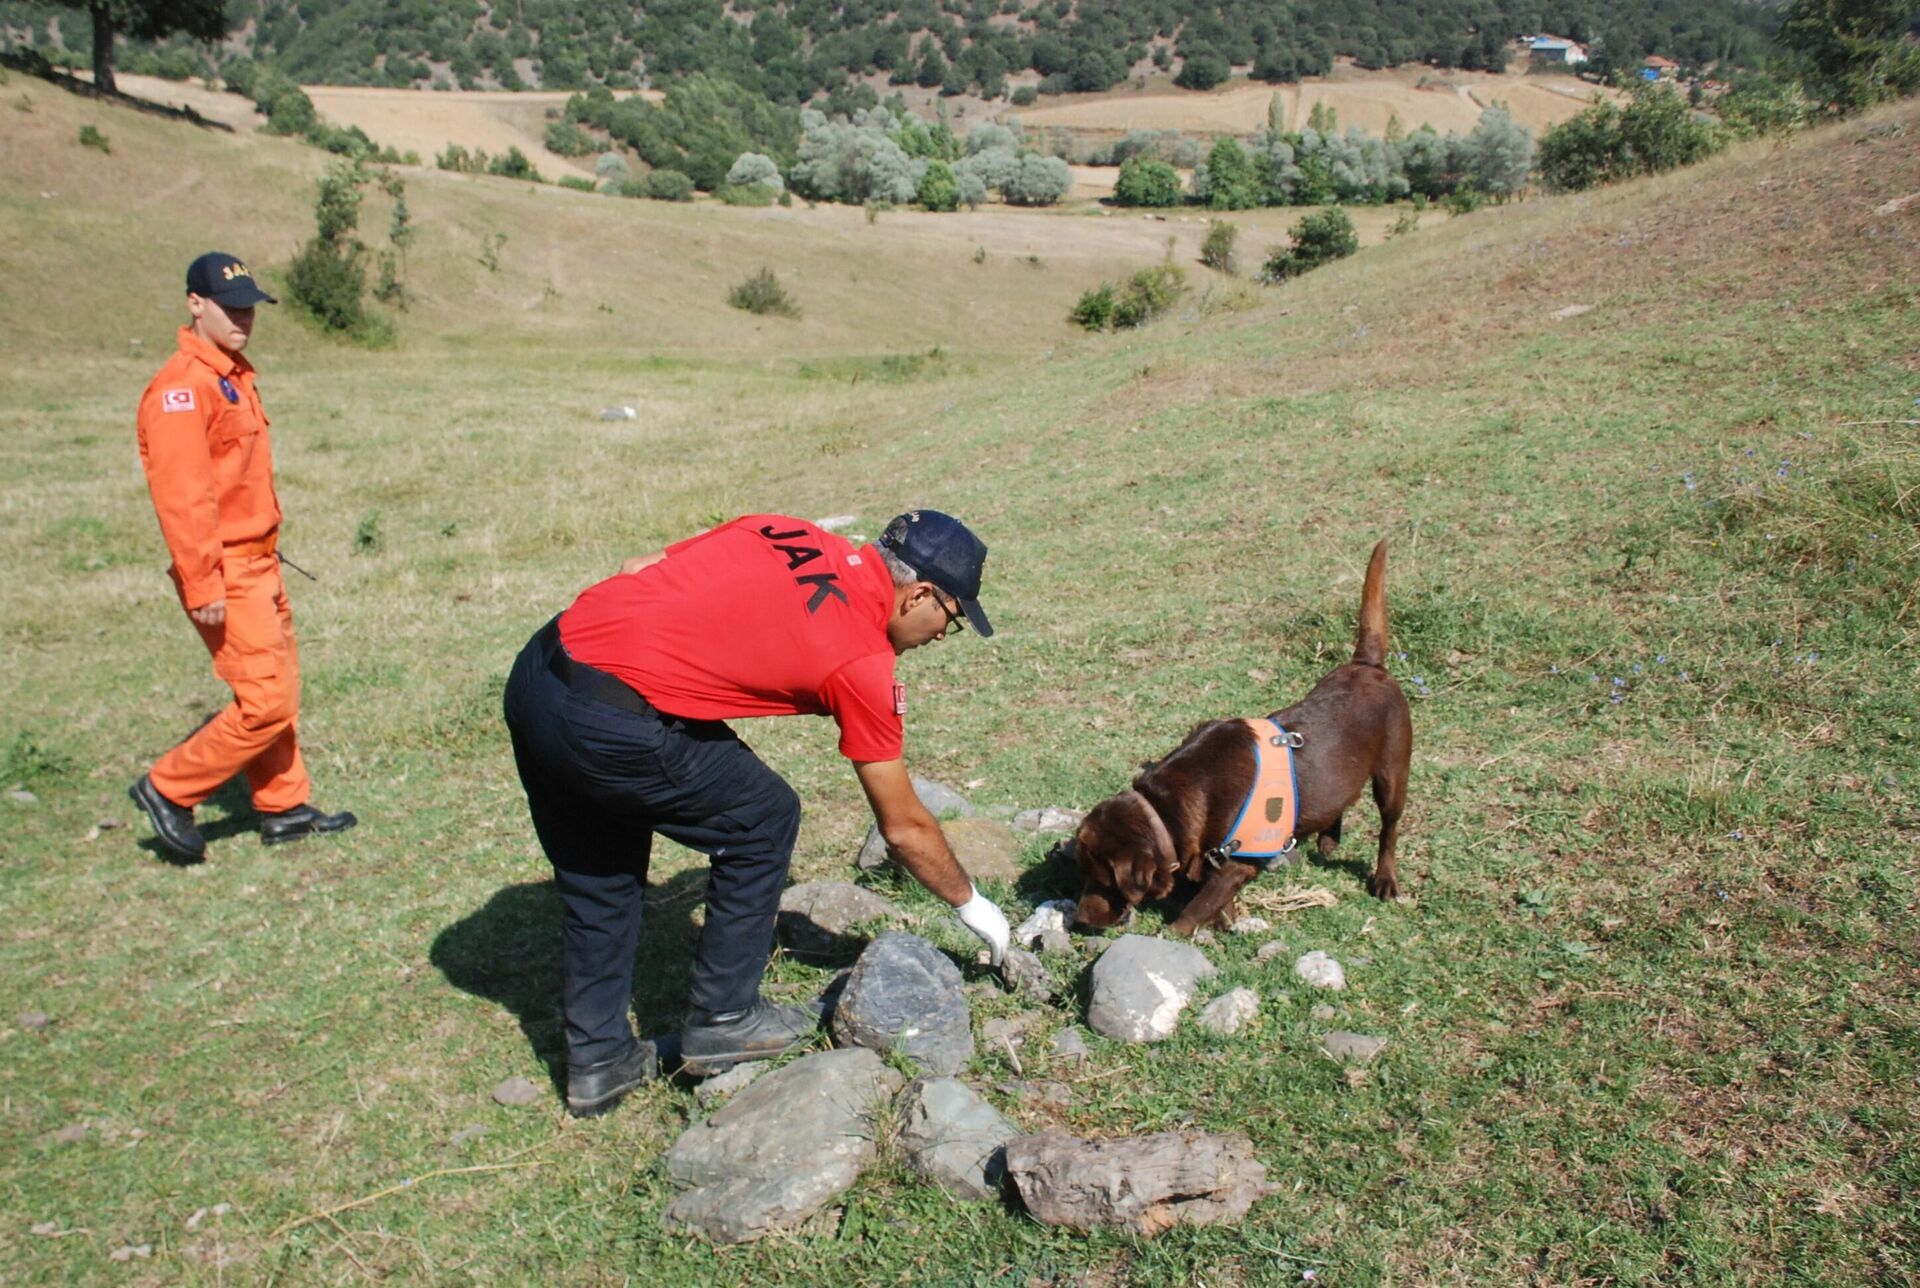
column 226, row 281
column 944, row 551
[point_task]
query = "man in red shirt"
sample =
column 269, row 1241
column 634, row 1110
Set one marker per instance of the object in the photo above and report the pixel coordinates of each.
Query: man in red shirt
column 616, row 709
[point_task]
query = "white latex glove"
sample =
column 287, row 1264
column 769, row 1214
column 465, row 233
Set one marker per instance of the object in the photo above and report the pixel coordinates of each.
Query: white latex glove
column 983, row 917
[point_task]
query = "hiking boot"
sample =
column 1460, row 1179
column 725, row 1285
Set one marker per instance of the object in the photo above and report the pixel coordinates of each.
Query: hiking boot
column 172, row 824
column 301, row 820
column 593, row 1089
column 711, row 1044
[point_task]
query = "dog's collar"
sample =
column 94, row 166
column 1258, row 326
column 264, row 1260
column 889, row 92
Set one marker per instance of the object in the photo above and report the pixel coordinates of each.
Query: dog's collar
column 1166, row 857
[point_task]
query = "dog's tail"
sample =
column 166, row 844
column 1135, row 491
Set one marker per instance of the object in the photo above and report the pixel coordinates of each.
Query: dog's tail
column 1370, row 643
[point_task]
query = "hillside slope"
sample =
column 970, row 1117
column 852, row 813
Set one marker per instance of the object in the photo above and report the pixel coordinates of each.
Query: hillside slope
column 1647, row 461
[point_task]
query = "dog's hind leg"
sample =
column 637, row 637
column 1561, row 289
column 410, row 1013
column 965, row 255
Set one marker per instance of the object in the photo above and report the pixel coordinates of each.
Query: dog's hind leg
column 1390, row 794
column 1329, row 839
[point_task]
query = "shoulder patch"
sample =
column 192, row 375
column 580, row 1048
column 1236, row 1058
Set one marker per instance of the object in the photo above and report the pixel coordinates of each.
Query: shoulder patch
column 899, row 698
column 177, row 400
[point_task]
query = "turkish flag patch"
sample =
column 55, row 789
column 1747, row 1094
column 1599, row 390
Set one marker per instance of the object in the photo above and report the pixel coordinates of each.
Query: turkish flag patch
column 177, row 400
column 899, row 699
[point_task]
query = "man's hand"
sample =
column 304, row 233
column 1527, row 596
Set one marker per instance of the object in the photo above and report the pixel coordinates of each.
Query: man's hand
column 638, row 562
column 983, row 917
column 214, row 614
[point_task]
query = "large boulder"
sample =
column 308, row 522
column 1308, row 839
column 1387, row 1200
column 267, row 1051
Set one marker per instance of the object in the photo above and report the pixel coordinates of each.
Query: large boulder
column 905, row 995
column 1144, row 1184
column 818, row 918
column 1141, row 985
column 941, row 801
column 986, row 848
column 783, row 1148
column 954, row 1138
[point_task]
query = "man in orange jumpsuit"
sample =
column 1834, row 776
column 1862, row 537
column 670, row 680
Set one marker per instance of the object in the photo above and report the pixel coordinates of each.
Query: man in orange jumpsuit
column 203, row 443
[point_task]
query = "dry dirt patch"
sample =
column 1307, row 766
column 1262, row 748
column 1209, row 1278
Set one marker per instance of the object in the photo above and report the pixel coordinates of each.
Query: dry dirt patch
column 426, row 121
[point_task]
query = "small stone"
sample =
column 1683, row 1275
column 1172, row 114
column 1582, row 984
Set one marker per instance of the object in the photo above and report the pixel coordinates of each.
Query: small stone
column 142, row 1251
column 517, row 1090
column 837, row 522
column 1141, row 985
column 1026, row 973
column 1271, row 949
column 1053, row 915
column 818, row 918
column 1250, row 926
column 1322, row 1013
column 713, row 1090
column 1048, row 819
column 941, row 800
column 71, row 1134
column 954, row 1138
column 1228, row 1013
column 35, row 1020
column 1357, row 1048
column 1071, row 1045
column 45, row 1229
column 1205, row 938
column 905, row 995
column 1570, row 311
column 466, row 1135
column 1056, row 943
column 21, row 796
column 1320, row 970
column 618, row 413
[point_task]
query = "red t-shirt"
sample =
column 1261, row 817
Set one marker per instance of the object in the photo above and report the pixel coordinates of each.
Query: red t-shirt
column 763, row 616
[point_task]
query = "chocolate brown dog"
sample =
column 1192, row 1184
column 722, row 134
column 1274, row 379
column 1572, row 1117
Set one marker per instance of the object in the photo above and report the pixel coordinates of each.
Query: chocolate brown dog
column 1354, row 729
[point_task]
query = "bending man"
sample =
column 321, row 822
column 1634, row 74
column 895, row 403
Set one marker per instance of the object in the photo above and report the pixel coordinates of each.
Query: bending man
column 616, row 710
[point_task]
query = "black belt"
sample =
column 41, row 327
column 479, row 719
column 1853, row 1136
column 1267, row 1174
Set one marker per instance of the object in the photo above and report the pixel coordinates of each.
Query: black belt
column 587, row 681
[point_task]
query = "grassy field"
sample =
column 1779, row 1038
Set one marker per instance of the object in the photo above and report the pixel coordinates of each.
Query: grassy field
column 1650, row 1005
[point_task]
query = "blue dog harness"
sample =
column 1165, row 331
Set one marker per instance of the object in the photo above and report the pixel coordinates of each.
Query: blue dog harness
column 1263, row 833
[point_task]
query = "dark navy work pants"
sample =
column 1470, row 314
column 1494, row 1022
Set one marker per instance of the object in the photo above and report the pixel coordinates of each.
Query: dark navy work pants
column 600, row 781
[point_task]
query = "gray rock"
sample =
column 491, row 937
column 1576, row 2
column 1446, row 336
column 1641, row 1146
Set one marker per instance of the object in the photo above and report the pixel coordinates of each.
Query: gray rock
column 712, row 1091
column 1322, row 1013
column 874, row 853
column 466, row 1135
column 1027, row 974
column 618, row 413
column 954, row 1138
column 1146, row 1184
column 1228, row 1013
column 1141, row 985
column 1271, row 949
column 1050, row 819
column 1050, row 918
column 780, row 1150
column 1056, row 943
column 837, row 522
column 817, row 919
column 1320, row 970
column 1250, row 926
column 515, row 1091
column 21, row 796
column 1570, row 311
column 35, row 1020
column 1356, row 1047
column 1069, row 1044
column 986, row 848
column 905, row 995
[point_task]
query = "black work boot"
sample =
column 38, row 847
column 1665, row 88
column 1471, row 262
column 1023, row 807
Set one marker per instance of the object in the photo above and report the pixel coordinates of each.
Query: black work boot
column 593, row 1089
column 172, row 824
column 711, row 1044
column 292, row 824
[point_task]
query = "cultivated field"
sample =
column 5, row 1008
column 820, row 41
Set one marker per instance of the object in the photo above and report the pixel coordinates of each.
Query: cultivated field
column 1650, row 1007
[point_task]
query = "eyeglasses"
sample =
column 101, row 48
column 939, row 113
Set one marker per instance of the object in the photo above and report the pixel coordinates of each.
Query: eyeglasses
column 956, row 624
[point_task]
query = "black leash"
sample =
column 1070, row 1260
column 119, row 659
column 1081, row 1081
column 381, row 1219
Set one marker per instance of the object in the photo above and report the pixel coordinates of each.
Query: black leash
column 296, row 567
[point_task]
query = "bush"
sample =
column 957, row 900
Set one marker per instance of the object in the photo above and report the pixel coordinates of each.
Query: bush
column 1203, row 68
column 762, row 294
column 939, row 188
column 514, row 165
column 1134, row 302
column 751, row 194
column 1656, row 131
column 291, row 112
column 1499, row 153
column 752, row 170
column 579, row 183
column 569, row 140
column 1319, row 238
column 1463, row 200
column 92, row 138
column 329, row 280
column 1095, row 308
column 1759, row 104
column 1026, row 96
column 1227, row 181
column 458, row 159
column 612, row 170
column 1216, row 251
column 664, row 185
column 1145, row 182
column 1037, row 181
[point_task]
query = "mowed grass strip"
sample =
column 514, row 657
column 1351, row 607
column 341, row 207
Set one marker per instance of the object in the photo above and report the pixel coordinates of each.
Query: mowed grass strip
column 1650, row 1008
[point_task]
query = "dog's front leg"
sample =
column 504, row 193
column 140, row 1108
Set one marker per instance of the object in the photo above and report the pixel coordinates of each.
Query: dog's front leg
column 1211, row 906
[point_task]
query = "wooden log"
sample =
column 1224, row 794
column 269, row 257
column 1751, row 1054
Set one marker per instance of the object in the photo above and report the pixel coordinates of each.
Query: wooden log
column 1143, row 1183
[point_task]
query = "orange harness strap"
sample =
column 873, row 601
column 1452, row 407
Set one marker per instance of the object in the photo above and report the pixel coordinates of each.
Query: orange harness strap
column 1264, row 832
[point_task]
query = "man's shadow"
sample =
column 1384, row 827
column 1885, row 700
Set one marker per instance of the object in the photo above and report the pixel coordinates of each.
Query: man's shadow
column 509, row 951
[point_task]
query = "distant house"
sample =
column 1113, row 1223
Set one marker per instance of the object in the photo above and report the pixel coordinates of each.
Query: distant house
column 1654, row 68
column 1556, row 51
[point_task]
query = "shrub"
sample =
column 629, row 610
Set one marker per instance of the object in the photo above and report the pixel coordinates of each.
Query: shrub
column 92, row 138
column 1094, row 311
column 579, row 183
column 514, row 165
column 751, row 194
column 939, row 188
column 1655, row 131
column 1145, row 182
column 569, row 140
column 1216, row 251
column 329, row 279
column 458, row 159
column 1037, row 181
column 1319, row 238
column 753, row 170
column 1759, row 104
column 1499, row 153
column 1026, row 96
column 1203, row 68
column 1227, row 181
column 291, row 112
column 1463, row 200
column 1408, row 222
column 762, row 294
column 1147, row 294
column 665, row 185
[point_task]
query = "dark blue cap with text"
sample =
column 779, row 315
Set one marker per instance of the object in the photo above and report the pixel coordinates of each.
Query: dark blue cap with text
column 226, row 281
column 944, row 551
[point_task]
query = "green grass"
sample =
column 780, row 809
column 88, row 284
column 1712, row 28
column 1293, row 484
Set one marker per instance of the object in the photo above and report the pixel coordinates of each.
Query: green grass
column 1650, row 1009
